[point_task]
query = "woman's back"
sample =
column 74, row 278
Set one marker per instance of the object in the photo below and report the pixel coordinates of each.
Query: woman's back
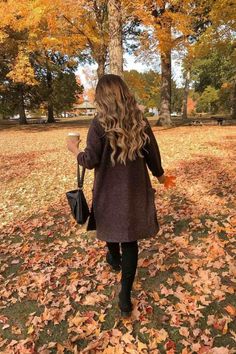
column 123, row 198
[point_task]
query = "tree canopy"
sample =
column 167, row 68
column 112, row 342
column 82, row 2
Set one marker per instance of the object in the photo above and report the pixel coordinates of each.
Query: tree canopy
column 92, row 31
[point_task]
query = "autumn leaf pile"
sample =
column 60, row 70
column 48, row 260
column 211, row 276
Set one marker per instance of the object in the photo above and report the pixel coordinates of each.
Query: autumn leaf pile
column 58, row 294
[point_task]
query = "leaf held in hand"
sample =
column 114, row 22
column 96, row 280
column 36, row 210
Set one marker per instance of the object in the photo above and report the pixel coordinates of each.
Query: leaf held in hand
column 169, row 181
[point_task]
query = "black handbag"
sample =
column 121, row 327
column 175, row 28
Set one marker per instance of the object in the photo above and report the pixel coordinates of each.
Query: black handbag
column 77, row 201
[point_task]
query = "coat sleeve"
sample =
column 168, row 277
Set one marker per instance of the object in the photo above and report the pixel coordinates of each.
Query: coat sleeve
column 152, row 153
column 91, row 156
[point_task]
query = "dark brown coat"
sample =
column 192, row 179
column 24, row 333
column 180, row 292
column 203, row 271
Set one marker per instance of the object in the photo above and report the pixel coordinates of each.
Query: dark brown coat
column 123, row 197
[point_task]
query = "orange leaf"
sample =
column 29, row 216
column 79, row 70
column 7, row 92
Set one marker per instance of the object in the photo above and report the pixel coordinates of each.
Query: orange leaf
column 231, row 310
column 169, row 181
column 204, row 350
column 185, row 351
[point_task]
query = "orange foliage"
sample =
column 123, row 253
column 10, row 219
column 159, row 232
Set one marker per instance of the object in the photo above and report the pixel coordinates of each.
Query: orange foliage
column 90, row 94
column 164, row 23
column 191, row 105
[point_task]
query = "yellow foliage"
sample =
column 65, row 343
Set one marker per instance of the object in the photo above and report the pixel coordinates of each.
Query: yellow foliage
column 22, row 71
column 66, row 26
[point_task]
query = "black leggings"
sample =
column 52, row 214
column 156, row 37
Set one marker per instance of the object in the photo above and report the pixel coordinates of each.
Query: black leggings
column 129, row 261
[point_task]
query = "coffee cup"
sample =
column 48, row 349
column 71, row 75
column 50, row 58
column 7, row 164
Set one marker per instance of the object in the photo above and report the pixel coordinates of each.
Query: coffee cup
column 74, row 135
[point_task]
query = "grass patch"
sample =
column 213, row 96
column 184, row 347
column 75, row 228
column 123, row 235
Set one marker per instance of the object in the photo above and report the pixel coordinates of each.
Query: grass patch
column 181, row 225
column 224, row 341
column 12, row 268
column 155, row 282
column 53, row 333
column 18, row 314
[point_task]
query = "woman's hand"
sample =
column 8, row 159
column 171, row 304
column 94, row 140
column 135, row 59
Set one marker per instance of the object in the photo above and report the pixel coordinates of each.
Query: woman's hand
column 161, row 179
column 73, row 145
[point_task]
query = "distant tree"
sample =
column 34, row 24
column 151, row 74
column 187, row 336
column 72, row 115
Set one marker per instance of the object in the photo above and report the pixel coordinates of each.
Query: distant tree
column 215, row 66
column 15, row 86
column 8, row 97
column 35, row 27
column 214, row 56
column 176, row 98
column 58, row 86
column 44, row 79
column 208, row 101
column 136, row 82
column 145, row 86
column 153, row 89
column 169, row 25
column 95, row 34
column 226, row 98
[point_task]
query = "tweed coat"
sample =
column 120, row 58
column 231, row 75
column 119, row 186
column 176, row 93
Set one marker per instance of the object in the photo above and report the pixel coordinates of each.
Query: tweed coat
column 123, row 198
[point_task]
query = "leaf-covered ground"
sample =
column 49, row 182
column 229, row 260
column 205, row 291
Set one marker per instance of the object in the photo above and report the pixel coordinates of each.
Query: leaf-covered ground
column 58, row 294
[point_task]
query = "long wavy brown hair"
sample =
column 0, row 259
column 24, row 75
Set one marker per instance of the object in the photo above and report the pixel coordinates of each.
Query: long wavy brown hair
column 120, row 117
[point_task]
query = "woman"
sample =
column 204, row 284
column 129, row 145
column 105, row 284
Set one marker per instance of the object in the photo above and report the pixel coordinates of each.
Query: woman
column 120, row 143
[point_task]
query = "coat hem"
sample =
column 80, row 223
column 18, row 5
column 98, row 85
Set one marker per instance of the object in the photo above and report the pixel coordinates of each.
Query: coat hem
column 129, row 239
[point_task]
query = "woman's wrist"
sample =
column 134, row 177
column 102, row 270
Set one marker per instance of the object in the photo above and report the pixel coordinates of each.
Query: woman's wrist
column 76, row 151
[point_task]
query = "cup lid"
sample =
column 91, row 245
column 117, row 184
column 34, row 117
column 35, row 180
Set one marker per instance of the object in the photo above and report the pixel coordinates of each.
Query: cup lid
column 74, row 134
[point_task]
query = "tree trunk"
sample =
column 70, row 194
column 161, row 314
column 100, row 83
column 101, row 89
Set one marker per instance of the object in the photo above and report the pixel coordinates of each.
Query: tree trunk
column 22, row 106
column 50, row 103
column 165, row 111
column 101, row 66
column 186, row 92
column 50, row 113
column 234, row 102
column 115, row 32
column 3, row 114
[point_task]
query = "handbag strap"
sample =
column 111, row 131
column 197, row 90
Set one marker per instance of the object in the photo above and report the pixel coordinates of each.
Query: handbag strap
column 80, row 179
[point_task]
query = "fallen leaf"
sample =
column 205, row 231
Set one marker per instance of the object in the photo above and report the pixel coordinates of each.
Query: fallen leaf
column 184, row 331
column 30, row 330
column 231, row 310
column 141, row 346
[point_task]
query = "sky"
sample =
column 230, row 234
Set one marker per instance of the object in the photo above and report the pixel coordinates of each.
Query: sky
column 130, row 64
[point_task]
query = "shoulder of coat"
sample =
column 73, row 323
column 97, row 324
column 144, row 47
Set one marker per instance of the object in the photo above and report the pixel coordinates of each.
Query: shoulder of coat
column 98, row 125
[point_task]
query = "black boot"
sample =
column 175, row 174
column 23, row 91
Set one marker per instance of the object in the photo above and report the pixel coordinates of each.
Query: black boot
column 114, row 263
column 125, row 305
column 129, row 262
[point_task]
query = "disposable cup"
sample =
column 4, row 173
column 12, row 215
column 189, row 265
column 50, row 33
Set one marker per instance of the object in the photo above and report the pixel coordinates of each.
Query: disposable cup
column 74, row 135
